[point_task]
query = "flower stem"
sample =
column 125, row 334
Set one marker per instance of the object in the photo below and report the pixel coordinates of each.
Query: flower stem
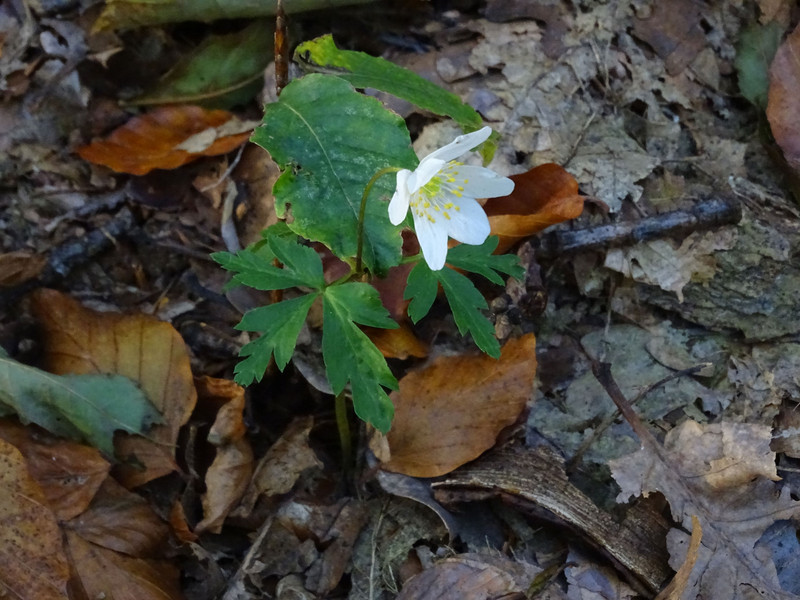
column 362, row 211
column 345, row 440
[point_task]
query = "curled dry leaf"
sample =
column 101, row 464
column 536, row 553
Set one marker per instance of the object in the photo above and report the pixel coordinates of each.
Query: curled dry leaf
column 452, row 411
column 32, row 561
column 783, row 104
column 69, row 473
column 167, row 138
column 229, row 475
column 149, row 351
column 397, row 343
column 542, row 197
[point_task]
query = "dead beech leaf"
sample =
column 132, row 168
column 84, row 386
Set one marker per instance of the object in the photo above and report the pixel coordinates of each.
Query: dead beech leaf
column 783, row 100
column 166, row 138
column 104, row 573
column 690, row 471
column 149, row 351
column 282, row 465
column 471, row 577
column 451, row 411
column 32, row 561
column 19, row 267
column 229, row 475
column 397, row 343
column 69, row 473
column 542, row 196
column 122, row 521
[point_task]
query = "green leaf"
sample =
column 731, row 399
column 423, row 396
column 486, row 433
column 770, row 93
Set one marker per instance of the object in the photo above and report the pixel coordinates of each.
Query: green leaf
column 224, row 71
column 279, row 325
column 465, row 300
column 349, row 354
column 421, row 288
column 329, row 140
column 466, row 303
column 87, row 408
column 754, row 53
column 365, row 71
column 253, row 265
column 479, row 259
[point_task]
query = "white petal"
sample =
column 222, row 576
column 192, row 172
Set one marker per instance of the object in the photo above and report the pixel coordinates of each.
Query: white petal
column 470, row 225
column 426, row 169
column 461, row 145
column 484, row 183
column 398, row 206
column 433, row 242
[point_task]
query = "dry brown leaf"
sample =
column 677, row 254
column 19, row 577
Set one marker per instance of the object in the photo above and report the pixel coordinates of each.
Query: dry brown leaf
column 282, row 465
column 542, row 196
column 122, row 521
column 149, row 351
column 674, row 31
column 691, row 472
column 783, row 103
column 32, row 561
column 229, row 475
column 452, row 411
column 104, row 573
column 19, row 267
column 397, row 343
column 471, row 577
column 166, row 138
column 69, row 473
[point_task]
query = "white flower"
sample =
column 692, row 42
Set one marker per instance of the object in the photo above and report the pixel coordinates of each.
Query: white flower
column 441, row 193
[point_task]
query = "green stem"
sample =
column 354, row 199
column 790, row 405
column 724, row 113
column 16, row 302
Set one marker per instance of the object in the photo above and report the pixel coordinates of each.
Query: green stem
column 343, row 425
column 362, row 211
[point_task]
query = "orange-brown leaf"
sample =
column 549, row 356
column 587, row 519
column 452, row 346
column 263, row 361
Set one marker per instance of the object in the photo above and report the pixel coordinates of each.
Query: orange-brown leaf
column 32, row 561
column 542, row 197
column 397, row 343
column 166, row 138
column 18, row 267
column 783, row 104
column 69, row 473
column 149, row 351
column 452, row 411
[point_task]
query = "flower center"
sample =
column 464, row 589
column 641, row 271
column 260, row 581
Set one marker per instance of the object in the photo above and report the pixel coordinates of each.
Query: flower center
column 441, row 194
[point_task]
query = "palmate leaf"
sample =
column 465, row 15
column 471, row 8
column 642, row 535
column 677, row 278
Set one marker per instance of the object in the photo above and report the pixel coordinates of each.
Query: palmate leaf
column 82, row 407
column 465, row 300
column 351, row 357
column 329, row 140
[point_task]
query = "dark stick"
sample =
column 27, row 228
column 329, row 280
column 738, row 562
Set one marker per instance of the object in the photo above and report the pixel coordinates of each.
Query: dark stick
column 281, row 50
column 706, row 214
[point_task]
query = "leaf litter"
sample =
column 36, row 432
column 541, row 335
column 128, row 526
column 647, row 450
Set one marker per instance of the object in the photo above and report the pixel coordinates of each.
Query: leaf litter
column 634, row 101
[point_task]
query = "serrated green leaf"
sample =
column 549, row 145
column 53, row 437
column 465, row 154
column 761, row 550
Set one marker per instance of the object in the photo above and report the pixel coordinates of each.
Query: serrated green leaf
column 329, row 140
column 365, row 71
column 480, row 260
column 466, row 303
column 754, row 53
column 279, row 325
column 87, row 408
column 350, row 356
column 253, row 266
column 421, row 288
column 224, row 71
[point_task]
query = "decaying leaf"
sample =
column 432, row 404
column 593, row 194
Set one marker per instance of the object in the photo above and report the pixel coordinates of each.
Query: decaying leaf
column 18, row 267
column 542, row 196
column 783, row 104
column 451, row 411
column 229, row 475
column 282, row 465
column 69, row 473
column 471, row 577
column 150, row 352
column 166, row 138
column 32, row 561
column 720, row 474
column 397, row 343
